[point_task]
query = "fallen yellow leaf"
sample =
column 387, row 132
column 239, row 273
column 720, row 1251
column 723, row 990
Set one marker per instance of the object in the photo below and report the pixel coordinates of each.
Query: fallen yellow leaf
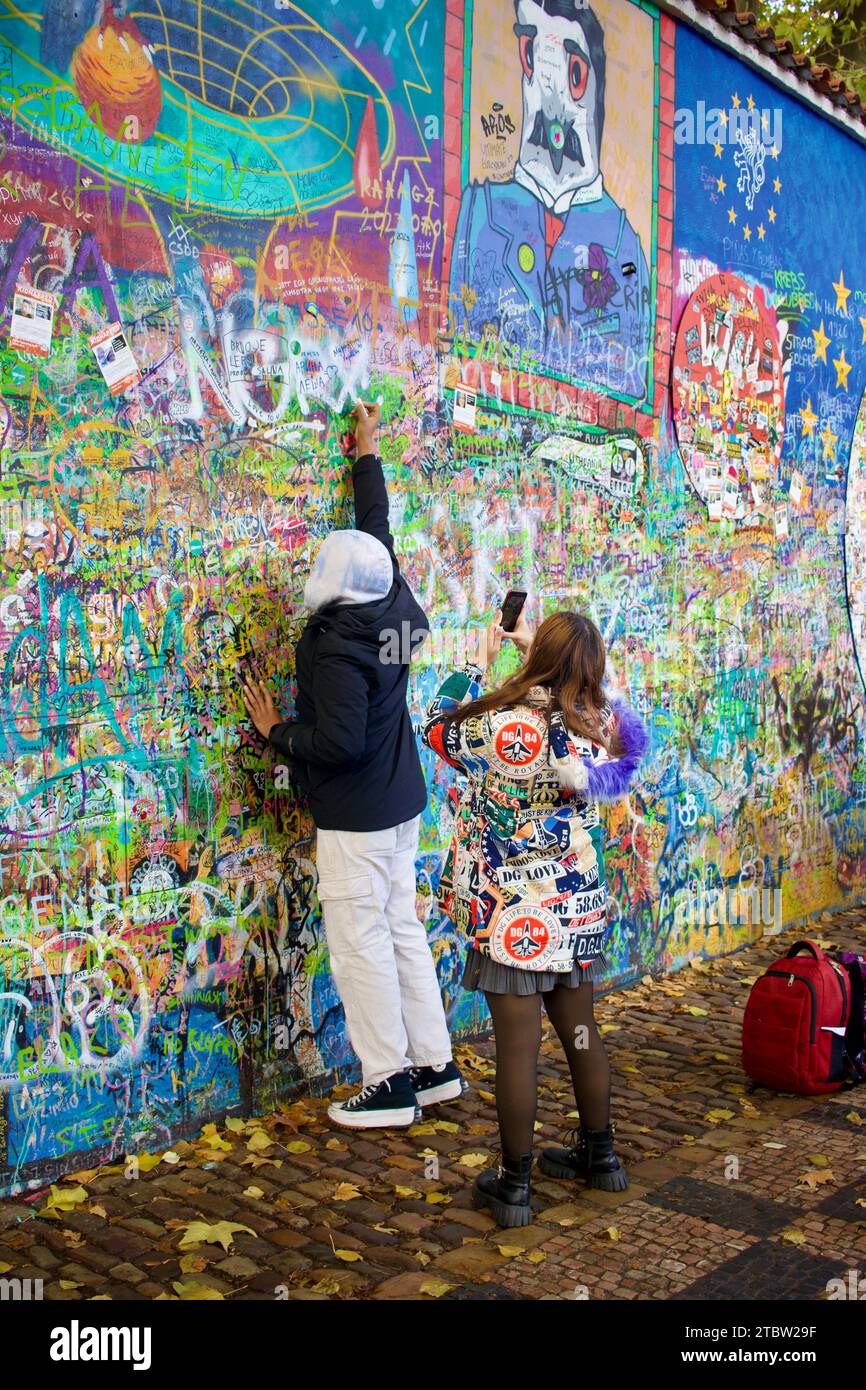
column 435, row 1288
column 816, row 1177
column 715, row 1117
column 193, row 1290
column 147, row 1162
column 218, row 1233
column 255, row 1192
column 98, row 1211
column 792, row 1237
column 437, row 1197
column 510, row 1251
column 854, row 1118
column 259, row 1140
column 472, row 1160
column 328, row 1286
column 536, row 1256
column 63, row 1199
column 235, row 1125
column 346, row 1192
column 348, row 1255
column 214, row 1141
column 298, row 1146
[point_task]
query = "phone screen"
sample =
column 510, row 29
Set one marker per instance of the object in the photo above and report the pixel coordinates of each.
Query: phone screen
column 512, row 607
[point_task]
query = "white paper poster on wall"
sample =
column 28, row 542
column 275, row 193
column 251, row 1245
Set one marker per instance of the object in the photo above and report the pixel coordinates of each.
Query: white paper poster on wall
column 32, row 320
column 114, row 355
column 465, row 405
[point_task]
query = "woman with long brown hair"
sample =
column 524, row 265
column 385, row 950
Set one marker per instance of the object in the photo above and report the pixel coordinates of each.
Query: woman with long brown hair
column 524, row 879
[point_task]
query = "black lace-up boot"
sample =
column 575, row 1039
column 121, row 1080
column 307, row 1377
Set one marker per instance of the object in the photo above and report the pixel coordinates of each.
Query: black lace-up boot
column 505, row 1191
column 591, row 1157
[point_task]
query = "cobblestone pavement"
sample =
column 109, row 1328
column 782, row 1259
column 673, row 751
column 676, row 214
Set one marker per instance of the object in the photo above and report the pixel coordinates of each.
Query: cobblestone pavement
column 736, row 1193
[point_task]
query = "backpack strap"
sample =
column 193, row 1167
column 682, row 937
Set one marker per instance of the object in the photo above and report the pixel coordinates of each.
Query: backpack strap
column 855, row 1034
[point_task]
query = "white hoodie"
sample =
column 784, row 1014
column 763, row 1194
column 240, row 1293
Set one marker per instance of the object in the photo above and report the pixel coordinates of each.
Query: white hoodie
column 351, row 567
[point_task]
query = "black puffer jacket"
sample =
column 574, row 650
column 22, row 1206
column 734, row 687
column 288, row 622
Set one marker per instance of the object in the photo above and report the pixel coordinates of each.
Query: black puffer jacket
column 352, row 742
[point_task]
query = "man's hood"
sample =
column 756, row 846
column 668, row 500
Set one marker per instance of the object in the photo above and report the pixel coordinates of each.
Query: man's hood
column 352, row 567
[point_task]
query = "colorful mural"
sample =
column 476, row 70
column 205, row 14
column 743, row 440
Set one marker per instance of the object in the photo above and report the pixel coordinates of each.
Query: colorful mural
column 620, row 365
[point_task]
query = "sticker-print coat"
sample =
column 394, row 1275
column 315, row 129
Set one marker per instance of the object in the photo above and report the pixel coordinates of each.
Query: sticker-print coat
column 524, row 875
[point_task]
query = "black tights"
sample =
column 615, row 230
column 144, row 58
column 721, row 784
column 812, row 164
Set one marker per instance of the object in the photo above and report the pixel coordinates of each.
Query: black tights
column 517, row 1029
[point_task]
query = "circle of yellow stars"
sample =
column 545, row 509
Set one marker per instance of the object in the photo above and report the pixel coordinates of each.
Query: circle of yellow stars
column 721, row 185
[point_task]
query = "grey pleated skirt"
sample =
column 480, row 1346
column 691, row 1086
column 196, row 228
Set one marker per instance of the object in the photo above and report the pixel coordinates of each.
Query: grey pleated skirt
column 488, row 976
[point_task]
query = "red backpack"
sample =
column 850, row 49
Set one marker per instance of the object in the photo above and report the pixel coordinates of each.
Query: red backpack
column 803, row 1024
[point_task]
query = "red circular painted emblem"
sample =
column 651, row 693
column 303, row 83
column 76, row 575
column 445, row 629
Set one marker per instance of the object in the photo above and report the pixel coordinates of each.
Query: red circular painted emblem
column 729, row 398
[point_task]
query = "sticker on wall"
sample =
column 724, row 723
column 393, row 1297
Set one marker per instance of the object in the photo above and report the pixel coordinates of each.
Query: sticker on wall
column 465, row 407
column 115, row 358
column 32, row 320
column 729, row 398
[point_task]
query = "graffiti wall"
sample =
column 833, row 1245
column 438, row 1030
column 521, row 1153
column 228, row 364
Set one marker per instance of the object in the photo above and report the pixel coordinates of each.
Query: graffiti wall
column 608, row 287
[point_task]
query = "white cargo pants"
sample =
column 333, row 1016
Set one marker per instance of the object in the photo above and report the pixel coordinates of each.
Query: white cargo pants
column 382, row 964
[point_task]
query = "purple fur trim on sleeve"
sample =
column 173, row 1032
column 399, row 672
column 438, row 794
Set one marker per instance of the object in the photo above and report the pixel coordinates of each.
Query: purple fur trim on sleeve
column 611, row 780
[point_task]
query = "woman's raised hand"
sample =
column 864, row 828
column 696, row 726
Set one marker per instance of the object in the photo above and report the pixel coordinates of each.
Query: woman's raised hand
column 522, row 634
column 483, row 645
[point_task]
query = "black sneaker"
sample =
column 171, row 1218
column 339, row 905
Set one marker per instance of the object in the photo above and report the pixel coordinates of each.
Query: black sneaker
column 390, row 1104
column 432, row 1085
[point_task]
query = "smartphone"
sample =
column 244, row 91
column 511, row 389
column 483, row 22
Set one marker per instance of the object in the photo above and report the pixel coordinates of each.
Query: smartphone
column 512, row 607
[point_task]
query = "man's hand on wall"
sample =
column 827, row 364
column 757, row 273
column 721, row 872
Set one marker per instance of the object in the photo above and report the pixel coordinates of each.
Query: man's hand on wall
column 260, row 706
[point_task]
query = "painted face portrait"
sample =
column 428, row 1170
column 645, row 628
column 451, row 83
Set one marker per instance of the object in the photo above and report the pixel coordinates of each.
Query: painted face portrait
column 563, row 62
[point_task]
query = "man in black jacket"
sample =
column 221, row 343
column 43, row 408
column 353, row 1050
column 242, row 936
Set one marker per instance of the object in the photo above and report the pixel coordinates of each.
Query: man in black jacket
column 353, row 744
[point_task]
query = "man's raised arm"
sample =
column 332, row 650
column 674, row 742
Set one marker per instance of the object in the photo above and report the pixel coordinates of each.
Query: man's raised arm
column 371, row 494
